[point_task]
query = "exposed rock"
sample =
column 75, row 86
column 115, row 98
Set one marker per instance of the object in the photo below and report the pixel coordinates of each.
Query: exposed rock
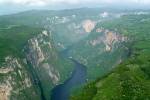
column 39, row 57
column 108, row 48
column 24, row 61
column 88, row 25
column 53, row 74
column 5, row 92
column 27, row 82
column 45, row 33
column 108, row 38
column 5, row 70
column 36, row 50
column 16, row 78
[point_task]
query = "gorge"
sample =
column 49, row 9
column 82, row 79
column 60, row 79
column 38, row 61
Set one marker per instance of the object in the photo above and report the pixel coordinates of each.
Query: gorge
column 75, row 54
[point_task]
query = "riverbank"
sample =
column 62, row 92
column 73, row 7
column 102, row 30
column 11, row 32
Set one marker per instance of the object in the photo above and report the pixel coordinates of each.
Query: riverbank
column 78, row 77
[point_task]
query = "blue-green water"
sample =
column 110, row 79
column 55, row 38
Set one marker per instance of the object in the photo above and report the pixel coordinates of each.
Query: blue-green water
column 78, row 77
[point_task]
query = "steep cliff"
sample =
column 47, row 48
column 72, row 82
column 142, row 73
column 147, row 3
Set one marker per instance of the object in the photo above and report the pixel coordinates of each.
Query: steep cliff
column 32, row 44
column 30, row 66
column 100, row 51
column 16, row 82
column 50, row 68
column 130, row 80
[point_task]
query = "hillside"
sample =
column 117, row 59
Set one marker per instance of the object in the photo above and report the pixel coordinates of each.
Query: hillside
column 131, row 78
column 30, row 66
column 39, row 50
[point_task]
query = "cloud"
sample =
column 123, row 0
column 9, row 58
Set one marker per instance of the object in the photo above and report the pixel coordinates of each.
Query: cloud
column 41, row 2
column 25, row 2
column 72, row 2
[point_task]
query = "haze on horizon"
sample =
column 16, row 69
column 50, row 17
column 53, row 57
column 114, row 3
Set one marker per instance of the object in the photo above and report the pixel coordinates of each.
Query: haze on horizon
column 13, row 6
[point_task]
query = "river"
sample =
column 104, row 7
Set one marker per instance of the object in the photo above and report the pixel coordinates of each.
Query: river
column 78, row 77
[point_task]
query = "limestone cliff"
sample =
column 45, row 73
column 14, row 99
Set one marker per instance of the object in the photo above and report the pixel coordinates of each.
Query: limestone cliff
column 15, row 81
column 47, row 64
column 32, row 75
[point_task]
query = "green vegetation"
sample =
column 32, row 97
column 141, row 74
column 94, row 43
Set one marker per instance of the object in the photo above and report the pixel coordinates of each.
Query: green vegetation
column 13, row 38
column 130, row 80
column 95, row 57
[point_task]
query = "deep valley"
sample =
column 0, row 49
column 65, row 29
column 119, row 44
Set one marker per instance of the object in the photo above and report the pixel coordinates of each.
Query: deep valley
column 75, row 54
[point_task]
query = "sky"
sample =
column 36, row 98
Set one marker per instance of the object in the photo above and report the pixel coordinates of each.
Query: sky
column 12, row 6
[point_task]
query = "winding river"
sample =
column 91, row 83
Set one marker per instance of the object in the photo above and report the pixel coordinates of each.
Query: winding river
column 78, row 77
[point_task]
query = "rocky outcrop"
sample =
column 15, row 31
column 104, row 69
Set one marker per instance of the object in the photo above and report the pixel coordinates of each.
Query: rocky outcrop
column 88, row 25
column 5, row 70
column 100, row 51
column 45, row 62
column 40, row 54
column 52, row 73
column 14, row 79
column 35, row 72
column 108, row 38
column 5, row 90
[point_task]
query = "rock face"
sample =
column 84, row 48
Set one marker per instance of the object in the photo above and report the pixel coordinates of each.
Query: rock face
column 15, row 80
column 101, row 44
column 35, row 72
column 5, row 70
column 5, row 92
column 109, row 38
column 68, row 33
column 88, row 25
column 39, row 54
column 46, row 63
